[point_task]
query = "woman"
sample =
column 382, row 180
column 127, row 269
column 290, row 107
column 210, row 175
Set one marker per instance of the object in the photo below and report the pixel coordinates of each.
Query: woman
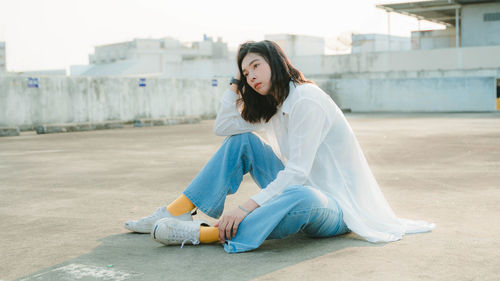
column 312, row 172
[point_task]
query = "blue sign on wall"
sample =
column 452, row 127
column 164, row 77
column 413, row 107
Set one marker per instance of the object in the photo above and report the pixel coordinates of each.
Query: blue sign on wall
column 32, row 82
column 142, row 82
column 214, row 82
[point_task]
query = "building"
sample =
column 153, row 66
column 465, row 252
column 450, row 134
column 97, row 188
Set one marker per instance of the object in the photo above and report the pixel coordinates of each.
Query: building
column 295, row 46
column 168, row 57
column 363, row 43
column 452, row 69
column 455, row 69
column 467, row 49
column 469, row 23
column 148, row 56
column 298, row 45
column 3, row 59
column 45, row 72
column 42, row 72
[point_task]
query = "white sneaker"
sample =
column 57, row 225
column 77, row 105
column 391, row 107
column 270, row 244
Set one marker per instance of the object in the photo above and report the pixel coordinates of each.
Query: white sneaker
column 170, row 231
column 145, row 224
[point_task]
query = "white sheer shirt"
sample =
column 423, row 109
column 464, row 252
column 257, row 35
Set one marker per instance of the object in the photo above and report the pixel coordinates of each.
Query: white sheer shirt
column 318, row 148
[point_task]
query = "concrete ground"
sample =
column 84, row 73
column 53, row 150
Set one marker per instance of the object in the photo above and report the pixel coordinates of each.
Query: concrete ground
column 64, row 199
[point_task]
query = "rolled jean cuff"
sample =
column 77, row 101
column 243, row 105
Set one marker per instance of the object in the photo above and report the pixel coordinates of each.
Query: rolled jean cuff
column 235, row 247
column 211, row 212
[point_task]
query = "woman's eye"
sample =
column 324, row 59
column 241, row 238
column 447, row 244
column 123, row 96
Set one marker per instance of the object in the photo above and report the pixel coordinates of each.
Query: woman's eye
column 255, row 65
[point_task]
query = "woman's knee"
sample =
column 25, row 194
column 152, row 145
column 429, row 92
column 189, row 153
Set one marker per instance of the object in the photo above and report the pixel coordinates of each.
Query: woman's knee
column 299, row 190
column 242, row 140
column 294, row 189
column 307, row 195
column 239, row 138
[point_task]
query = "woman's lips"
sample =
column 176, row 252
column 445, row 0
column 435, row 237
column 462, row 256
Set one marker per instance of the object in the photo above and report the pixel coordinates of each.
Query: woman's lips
column 257, row 85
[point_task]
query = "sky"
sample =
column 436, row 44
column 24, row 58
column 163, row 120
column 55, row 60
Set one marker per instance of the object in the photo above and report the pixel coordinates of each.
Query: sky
column 54, row 34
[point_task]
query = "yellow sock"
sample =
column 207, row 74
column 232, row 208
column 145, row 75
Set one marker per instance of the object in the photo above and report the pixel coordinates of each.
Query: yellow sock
column 180, row 206
column 209, row 234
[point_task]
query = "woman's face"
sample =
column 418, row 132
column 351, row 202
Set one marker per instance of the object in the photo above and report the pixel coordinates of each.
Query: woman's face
column 257, row 72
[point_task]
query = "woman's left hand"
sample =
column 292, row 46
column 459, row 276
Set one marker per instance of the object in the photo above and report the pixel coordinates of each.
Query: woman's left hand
column 228, row 224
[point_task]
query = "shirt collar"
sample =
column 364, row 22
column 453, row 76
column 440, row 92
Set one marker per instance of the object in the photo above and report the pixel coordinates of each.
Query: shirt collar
column 287, row 102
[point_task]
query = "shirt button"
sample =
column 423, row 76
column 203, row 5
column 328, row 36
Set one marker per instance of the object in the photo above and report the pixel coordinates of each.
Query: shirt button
column 283, row 113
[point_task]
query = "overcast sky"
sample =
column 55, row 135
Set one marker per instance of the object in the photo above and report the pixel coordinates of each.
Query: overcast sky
column 54, row 34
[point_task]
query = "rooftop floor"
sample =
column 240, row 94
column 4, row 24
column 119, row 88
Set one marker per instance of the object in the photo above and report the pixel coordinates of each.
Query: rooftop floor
column 64, row 199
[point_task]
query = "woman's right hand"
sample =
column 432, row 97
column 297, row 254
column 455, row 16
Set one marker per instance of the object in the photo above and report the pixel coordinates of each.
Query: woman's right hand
column 234, row 87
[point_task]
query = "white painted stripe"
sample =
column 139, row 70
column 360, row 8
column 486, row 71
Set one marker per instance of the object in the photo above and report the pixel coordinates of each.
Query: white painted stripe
column 78, row 271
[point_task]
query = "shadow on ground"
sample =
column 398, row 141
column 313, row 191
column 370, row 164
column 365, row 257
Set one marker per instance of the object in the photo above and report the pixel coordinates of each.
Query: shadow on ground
column 132, row 256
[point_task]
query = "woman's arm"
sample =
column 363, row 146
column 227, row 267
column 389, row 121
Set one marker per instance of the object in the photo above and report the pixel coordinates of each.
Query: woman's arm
column 229, row 121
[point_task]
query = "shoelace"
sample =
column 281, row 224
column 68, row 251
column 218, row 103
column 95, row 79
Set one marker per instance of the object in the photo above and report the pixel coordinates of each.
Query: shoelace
column 195, row 242
column 182, row 232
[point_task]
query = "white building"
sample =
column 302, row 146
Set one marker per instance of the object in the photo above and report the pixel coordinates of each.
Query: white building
column 168, row 57
column 3, row 60
column 454, row 69
column 468, row 47
column 45, row 72
column 295, row 46
column 469, row 23
column 148, row 56
column 364, row 43
column 298, row 45
column 42, row 72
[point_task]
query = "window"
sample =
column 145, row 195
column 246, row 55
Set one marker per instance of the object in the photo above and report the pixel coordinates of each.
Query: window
column 491, row 17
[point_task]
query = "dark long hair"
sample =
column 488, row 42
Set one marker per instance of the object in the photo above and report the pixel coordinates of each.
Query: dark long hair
column 257, row 107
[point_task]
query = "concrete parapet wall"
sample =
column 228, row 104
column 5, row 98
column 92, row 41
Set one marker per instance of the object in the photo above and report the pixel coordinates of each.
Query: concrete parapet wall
column 147, row 122
column 77, row 127
column 489, row 72
column 84, row 99
column 413, row 94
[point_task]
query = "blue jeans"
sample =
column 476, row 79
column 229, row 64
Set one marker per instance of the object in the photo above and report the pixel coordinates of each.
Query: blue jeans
column 298, row 208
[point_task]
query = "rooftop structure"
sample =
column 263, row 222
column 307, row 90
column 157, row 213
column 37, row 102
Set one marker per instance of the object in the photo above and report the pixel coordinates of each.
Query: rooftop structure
column 169, row 48
column 438, row 11
column 3, row 67
column 148, row 56
column 298, row 45
column 473, row 22
column 364, row 43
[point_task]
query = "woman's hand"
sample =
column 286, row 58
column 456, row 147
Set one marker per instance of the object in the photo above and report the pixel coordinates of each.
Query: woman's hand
column 234, row 87
column 228, row 224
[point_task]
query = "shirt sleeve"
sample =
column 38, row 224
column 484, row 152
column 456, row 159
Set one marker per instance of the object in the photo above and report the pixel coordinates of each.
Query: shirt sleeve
column 229, row 121
column 307, row 129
